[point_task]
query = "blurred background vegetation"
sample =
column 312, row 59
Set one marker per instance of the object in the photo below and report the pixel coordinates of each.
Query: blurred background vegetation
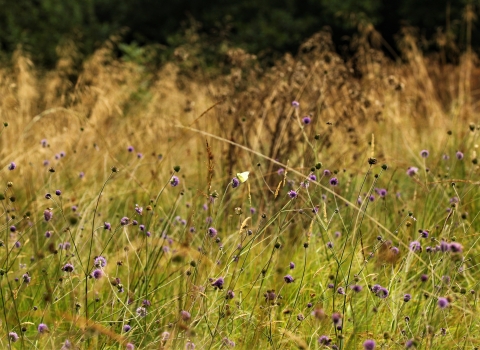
column 265, row 28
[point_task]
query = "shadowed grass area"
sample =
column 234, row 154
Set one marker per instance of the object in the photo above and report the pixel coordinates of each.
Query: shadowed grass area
column 129, row 218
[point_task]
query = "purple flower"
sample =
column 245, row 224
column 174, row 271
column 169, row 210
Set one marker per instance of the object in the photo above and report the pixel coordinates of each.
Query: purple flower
column 326, row 172
column 295, row 104
column 26, row 278
column 126, row 328
column 58, row 192
column 42, row 328
column 62, row 154
column 306, row 120
column 407, row 297
column 337, row 319
column 230, row 294
column 382, row 192
column 369, row 344
column 142, row 227
column 424, row 233
column 424, row 278
column 67, row 268
column 218, row 283
column 382, row 293
column 341, row 291
column 415, row 246
column 424, row 153
column 412, row 171
column 459, row 155
column 97, row 274
column 139, row 155
column 443, row 247
column 235, row 182
column 185, row 315
column 47, row 215
column 445, row 157
column 291, row 265
column 13, row 337
column 138, row 209
column 312, row 177
column 270, row 295
column 141, row 311
column 107, row 226
column 356, row 288
column 329, row 245
column 174, row 181
column 333, row 181
column 81, row 175
column 280, row 171
column 100, row 261
column 395, row 250
column 376, row 288
column 44, row 143
column 324, row 340
column 130, row 346
column 456, row 247
column 74, row 208
column 124, row 221
column 46, row 162
column 253, row 210
column 130, row 149
column 189, row 345
column 292, row 194
column 442, row 303
column 13, row 228
column 12, row 166
column 288, row 279
column 212, row 232
column 48, row 234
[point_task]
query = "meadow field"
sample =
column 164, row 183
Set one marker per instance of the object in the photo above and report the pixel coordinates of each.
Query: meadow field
column 312, row 204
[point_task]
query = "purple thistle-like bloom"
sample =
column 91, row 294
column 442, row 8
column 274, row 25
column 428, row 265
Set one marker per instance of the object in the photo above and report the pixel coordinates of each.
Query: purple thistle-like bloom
column 74, row 208
column 371, row 198
column 288, row 279
column 291, row 265
column 395, row 250
column 382, row 293
column 58, row 192
column 67, row 268
column 230, row 294
column 212, row 232
column 326, row 172
column 456, row 247
column 44, row 143
column 356, row 288
column 415, row 246
column 42, row 328
column 424, row 278
column 336, row 319
column 141, row 311
column 218, row 283
column 46, row 162
column 124, row 221
column 341, row 291
column 306, row 120
column 138, row 209
column 235, row 182
column 324, row 340
column 130, row 346
column 424, row 233
column 292, row 194
column 376, row 288
column 107, row 226
column 369, row 344
column 253, row 210
column 333, row 181
column 48, row 234
column 47, row 215
column 459, row 155
column 295, row 104
column 13, row 228
column 26, row 278
column 412, row 171
column 12, row 166
column 130, row 149
column 100, row 261
column 174, row 181
column 444, row 247
column 407, row 297
column 312, row 177
column 442, row 303
column 97, row 274
column 139, row 155
column 329, row 245
column 382, row 192
column 185, row 315
column 13, row 337
column 280, row 171
column 127, row 328
column 142, row 227
column 48, row 196
column 424, row 153
column 189, row 345
column 81, row 175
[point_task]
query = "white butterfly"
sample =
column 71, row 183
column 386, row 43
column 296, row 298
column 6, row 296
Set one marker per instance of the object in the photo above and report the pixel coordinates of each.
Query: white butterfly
column 243, row 176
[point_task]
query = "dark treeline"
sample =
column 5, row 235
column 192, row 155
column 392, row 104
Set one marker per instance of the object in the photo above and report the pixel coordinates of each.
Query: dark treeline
column 266, row 27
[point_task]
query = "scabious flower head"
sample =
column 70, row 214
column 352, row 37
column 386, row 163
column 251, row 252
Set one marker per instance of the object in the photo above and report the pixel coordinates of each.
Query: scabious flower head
column 235, row 182
column 369, row 344
column 218, row 283
column 356, row 288
column 295, row 104
column 459, row 155
column 288, row 279
column 407, row 297
column 126, row 328
column 341, row 291
column 81, row 175
column 230, row 294
column 456, row 247
column 336, row 319
column 67, row 267
column 42, row 328
column 312, row 177
column 185, row 315
column 26, row 278
column 12, row 166
column 395, row 250
column 415, row 246
column 47, row 215
column 141, row 311
column 130, row 149
column 124, row 221
column 291, row 265
column 443, row 247
column 424, row 278
column 442, row 303
column 412, row 171
column 138, row 209
column 13, row 228
column 326, row 172
column 13, row 337
column 174, row 181
column 324, row 340
column 306, row 120
column 212, row 232
column 292, row 194
column 382, row 192
column 130, row 346
column 189, row 345
column 333, row 181
column 424, row 153
column 382, row 293
column 97, row 274
column 107, row 226
column 329, row 245
column 44, row 143
column 142, row 227
column 376, row 288
column 100, row 261
column 48, row 234
column 424, row 233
